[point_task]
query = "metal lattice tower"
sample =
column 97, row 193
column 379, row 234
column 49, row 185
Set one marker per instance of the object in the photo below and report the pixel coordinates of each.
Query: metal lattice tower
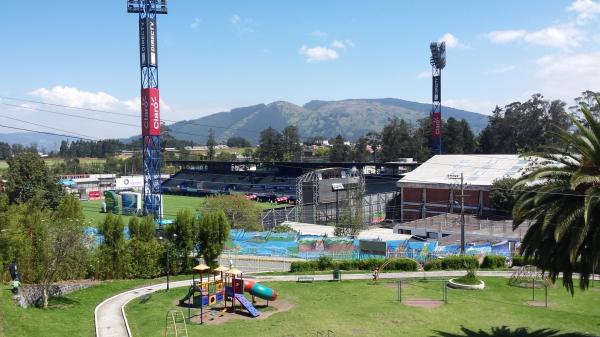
column 150, row 101
column 438, row 62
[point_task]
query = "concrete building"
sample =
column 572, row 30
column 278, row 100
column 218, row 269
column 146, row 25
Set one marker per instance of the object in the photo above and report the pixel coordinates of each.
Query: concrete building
column 432, row 188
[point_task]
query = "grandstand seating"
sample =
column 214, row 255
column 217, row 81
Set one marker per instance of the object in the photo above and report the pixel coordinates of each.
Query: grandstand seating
column 204, row 183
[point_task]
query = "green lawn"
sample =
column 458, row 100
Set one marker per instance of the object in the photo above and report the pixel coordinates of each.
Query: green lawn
column 172, row 204
column 72, row 315
column 362, row 308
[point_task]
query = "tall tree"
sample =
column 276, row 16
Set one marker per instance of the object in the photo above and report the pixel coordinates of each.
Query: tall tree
column 180, row 234
column 361, row 150
column 113, row 253
column 561, row 198
column 28, row 178
column 396, row 140
column 144, row 249
column 210, row 144
column 241, row 212
column 213, row 232
column 271, row 145
column 238, row 142
column 291, row 143
column 458, row 138
column 340, row 152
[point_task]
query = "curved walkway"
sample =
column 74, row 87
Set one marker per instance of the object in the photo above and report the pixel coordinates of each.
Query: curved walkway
column 111, row 320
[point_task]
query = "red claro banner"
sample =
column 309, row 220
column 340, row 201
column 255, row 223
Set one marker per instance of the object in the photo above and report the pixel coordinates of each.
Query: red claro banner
column 150, row 112
column 436, row 124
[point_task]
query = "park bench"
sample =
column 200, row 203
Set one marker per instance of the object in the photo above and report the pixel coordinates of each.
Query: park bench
column 307, row 279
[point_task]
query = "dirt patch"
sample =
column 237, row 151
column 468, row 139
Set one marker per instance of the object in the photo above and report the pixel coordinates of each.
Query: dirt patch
column 217, row 315
column 427, row 303
column 541, row 304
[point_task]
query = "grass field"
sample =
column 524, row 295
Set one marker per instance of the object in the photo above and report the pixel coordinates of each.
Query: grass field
column 361, row 308
column 72, row 315
column 172, row 205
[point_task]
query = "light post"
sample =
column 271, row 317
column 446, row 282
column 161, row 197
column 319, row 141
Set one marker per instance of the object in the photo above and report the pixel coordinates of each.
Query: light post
column 462, row 210
column 167, row 252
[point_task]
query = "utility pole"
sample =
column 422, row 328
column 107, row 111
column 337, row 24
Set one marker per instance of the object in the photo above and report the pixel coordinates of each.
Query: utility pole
column 462, row 209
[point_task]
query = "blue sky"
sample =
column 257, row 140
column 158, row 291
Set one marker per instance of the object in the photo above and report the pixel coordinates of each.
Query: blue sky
column 217, row 55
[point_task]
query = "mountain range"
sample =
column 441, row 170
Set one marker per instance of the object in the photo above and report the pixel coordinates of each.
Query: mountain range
column 351, row 118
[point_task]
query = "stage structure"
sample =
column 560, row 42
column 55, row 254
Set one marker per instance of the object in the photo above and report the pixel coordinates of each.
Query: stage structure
column 330, row 196
column 438, row 62
column 147, row 11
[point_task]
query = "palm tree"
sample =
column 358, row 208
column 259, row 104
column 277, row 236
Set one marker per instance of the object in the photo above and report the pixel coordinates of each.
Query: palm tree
column 560, row 198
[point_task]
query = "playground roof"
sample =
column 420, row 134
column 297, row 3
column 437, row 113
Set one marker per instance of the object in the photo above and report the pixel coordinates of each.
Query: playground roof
column 201, row 267
column 221, row 268
column 478, row 170
column 233, row 271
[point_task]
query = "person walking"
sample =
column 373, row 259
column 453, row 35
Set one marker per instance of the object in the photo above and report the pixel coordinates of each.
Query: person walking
column 16, row 284
column 12, row 269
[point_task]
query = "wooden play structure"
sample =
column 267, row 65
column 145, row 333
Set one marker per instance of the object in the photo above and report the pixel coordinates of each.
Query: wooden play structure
column 219, row 295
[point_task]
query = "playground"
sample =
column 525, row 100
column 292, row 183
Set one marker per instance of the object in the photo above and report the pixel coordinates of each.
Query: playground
column 368, row 308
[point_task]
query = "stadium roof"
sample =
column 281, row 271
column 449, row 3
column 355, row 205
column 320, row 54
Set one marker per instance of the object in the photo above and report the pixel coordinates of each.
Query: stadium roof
column 479, row 170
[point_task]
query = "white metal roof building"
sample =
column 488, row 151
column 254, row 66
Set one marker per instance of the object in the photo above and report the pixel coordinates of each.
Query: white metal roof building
column 434, row 187
column 479, row 170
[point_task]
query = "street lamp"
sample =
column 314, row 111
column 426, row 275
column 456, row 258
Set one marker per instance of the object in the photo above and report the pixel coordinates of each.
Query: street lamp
column 462, row 209
column 168, row 252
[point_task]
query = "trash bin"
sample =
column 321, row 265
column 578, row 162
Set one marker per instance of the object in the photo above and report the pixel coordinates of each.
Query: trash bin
column 337, row 275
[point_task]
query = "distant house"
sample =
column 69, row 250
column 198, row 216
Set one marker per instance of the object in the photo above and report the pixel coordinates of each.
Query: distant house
column 434, row 187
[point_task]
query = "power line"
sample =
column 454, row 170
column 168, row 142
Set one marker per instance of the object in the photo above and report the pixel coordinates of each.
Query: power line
column 44, row 126
column 44, row 132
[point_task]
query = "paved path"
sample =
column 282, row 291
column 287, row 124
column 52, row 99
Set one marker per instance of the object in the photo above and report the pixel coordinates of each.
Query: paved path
column 112, row 322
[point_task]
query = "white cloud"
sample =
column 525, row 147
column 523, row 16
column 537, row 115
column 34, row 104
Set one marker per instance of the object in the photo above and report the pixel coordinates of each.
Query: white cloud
column 451, row 41
column 504, row 36
column 501, row 69
column 350, row 43
column 75, row 97
column 561, row 36
column 318, row 33
column 585, row 9
column 338, row 44
column 64, row 95
column 558, row 36
column 424, row 74
column 566, row 75
column 243, row 25
column 196, row 23
column 318, row 53
column 480, row 106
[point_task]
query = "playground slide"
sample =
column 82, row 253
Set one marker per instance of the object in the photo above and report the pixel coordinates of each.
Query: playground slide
column 247, row 305
column 260, row 291
column 189, row 294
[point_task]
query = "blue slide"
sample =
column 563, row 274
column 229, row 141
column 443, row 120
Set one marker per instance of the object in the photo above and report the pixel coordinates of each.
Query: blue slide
column 247, row 305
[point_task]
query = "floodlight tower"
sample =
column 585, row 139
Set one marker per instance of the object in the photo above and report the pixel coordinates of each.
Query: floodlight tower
column 150, row 107
column 438, row 62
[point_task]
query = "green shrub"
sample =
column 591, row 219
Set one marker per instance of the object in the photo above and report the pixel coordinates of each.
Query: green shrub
column 433, row 265
column 460, row 262
column 324, row 263
column 493, row 262
column 519, row 261
column 470, row 279
column 403, row 265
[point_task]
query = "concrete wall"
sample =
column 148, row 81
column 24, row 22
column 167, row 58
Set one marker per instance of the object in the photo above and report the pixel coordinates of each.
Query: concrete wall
column 31, row 294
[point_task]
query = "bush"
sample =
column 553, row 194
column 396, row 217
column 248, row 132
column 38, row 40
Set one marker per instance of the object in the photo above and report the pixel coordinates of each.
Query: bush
column 519, row 261
column 460, row 262
column 433, row 265
column 493, row 262
column 326, row 263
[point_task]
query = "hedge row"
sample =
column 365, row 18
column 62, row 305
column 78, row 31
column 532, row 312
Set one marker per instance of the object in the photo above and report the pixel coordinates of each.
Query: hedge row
column 453, row 263
column 326, row 263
